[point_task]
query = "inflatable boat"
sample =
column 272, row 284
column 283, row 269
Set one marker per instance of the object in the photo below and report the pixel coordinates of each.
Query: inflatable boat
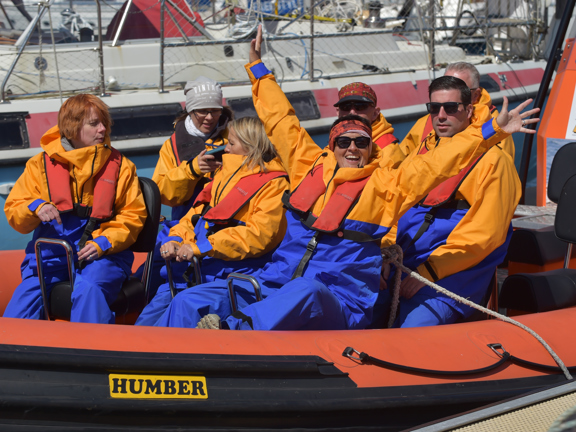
column 58, row 376
column 69, row 376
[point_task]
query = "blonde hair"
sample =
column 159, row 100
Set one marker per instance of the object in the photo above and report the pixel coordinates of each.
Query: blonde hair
column 250, row 131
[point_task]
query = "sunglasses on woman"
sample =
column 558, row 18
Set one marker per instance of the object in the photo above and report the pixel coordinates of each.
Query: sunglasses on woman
column 361, row 142
column 449, row 107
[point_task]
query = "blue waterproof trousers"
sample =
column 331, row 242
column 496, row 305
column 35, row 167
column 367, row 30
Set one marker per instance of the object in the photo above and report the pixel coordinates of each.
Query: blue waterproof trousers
column 95, row 287
column 301, row 304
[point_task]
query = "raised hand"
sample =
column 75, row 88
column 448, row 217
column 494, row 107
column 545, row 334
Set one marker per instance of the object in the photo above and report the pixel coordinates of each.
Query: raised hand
column 255, row 51
column 516, row 120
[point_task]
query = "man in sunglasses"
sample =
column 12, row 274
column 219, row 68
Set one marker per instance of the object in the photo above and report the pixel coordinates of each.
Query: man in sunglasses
column 459, row 233
column 343, row 200
column 360, row 99
column 484, row 110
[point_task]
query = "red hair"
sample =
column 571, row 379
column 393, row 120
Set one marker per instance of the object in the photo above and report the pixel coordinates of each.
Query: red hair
column 76, row 110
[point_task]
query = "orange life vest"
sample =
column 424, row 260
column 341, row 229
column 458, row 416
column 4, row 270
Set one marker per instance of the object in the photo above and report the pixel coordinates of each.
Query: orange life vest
column 444, row 193
column 385, row 140
column 442, row 196
column 241, row 193
column 427, row 129
column 339, row 205
column 58, row 178
column 333, row 215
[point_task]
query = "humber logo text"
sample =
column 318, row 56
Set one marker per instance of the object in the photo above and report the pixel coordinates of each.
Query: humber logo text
column 157, row 387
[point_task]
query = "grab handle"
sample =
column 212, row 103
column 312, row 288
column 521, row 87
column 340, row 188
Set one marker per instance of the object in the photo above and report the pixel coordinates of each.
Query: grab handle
column 70, row 258
column 230, row 282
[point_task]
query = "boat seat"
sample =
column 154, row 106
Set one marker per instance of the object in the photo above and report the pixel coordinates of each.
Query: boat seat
column 554, row 289
column 134, row 293
column 538, row 249
column 539, row 292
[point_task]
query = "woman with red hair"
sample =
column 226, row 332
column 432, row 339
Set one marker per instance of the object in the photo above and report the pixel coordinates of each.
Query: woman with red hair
column 81, row 190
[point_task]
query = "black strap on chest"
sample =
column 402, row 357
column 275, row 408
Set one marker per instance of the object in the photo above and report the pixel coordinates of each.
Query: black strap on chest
column 429, row 218
column 310, row 247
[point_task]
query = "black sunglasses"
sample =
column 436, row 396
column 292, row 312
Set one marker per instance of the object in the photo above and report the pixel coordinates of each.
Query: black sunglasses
column 357, row 106
column 361, row 142
column 449, row 107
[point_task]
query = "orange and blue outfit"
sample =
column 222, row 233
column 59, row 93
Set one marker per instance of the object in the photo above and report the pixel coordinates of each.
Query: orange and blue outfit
column 98, row 283
column 180, row 180
column 457, row 236
column 234, row 226
column 321, row 278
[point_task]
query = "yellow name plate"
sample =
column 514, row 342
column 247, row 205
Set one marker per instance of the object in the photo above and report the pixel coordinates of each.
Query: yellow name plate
column 157, row 387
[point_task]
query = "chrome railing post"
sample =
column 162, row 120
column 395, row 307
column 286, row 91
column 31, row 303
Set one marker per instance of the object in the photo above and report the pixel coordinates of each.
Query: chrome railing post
column 311, row 43
column 162, row 9
column 100, row 51
column 24, row 41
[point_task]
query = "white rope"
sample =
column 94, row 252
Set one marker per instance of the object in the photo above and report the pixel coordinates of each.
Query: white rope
column 393, row 254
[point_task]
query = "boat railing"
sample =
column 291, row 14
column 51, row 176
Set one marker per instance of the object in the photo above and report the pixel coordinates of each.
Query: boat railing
column 310, row 45
column 39, row 64
column 331, row 39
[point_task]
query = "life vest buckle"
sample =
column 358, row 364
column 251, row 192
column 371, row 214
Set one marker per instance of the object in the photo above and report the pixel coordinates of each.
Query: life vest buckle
column 82, row 211
column 312, row 243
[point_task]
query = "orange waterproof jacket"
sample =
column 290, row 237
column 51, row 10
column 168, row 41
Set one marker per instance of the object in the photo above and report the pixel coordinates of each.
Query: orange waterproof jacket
column 31, row 192
column 260, row 222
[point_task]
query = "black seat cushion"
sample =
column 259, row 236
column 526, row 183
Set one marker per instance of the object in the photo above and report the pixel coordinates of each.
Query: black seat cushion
column 563, row 167
column 61, row 301
column 539, row 292
column 536, row 246
column 130, row 299
column 146, row 240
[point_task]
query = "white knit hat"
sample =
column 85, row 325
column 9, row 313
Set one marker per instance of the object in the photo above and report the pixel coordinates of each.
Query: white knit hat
column 202, row 93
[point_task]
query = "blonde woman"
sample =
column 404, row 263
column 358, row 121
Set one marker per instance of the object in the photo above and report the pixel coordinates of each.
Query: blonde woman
column 236, row 221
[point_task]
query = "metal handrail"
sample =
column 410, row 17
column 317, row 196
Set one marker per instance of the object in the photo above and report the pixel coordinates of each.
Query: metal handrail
column 197, row 274
column 240, row 276
column 24, row 38
column 70, row 259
